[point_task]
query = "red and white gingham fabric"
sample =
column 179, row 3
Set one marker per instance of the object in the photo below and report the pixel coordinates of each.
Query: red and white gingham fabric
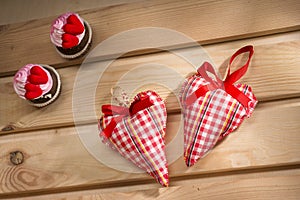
column 210, row 117
column 212, row 111
column 140, row 137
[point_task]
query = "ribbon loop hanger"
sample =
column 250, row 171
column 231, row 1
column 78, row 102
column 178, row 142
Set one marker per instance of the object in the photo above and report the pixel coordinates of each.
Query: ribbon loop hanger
column 227, row 85
column 235, row 76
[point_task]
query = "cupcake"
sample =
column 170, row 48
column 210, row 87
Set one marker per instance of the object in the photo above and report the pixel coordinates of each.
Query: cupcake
column 71, row 35
column 38, row 84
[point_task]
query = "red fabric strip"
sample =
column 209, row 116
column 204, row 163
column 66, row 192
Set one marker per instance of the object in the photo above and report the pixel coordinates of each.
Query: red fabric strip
column 110, row 110
column 227, row 85
column 237, row 94
column 201, row 91
column 143, row 103
column 235, row 76
column 111, row 126
column 207, row 67
column 121, row 112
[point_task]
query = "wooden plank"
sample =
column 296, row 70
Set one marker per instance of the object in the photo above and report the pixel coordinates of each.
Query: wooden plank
column 12, row 11
column 206, row 22
column 56, row 159
column 267, row 185
column 274, row 74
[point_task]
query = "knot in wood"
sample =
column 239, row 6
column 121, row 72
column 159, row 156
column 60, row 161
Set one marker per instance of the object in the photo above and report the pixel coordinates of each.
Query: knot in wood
column 16, row 157
column 8, row 128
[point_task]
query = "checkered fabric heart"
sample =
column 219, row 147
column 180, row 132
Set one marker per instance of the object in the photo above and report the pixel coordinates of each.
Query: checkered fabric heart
column 212, row 108
column 137, row 133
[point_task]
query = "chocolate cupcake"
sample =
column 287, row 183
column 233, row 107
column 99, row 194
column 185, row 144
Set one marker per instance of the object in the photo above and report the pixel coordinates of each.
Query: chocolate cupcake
column 71, row 35
column 40, row 85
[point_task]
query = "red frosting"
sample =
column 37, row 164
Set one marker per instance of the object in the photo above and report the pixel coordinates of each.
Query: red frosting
column 37, row 76
column 69, row 41
column 72, row 28
column 32, row 91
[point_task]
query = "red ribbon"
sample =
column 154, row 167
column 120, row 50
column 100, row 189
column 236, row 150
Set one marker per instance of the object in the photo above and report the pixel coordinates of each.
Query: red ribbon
column 227, row 84
column 119, row 112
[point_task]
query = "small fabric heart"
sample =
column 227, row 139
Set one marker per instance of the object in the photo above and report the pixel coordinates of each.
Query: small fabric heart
column 212, row 108
column 73, row 26
column 37, row 76
column 137, row 133
column 32, row 91
column 69, row 40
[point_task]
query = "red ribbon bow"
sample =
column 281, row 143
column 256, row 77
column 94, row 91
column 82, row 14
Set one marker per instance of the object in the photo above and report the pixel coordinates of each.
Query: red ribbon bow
column 227, row 84
column 119, row 112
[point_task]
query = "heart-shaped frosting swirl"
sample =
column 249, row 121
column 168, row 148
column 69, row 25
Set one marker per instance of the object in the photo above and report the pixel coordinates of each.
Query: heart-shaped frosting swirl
column 32, row 91
column 68, row 23
column 73, row 26
column 69, row 41
column 32, row 81
column 37, row 76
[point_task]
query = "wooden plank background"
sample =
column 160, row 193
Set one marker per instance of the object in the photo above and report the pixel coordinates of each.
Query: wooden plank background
column 206, row 22
column 260, row 160
column 279, row 85
column 274, row 184
column 51, row 161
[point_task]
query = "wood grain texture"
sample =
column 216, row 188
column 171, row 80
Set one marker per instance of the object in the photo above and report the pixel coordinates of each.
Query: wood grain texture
column 56, row 159
column 270, row 185
column 14, row 11
column 258, row 161
column 274, row 74
column 206, row 22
